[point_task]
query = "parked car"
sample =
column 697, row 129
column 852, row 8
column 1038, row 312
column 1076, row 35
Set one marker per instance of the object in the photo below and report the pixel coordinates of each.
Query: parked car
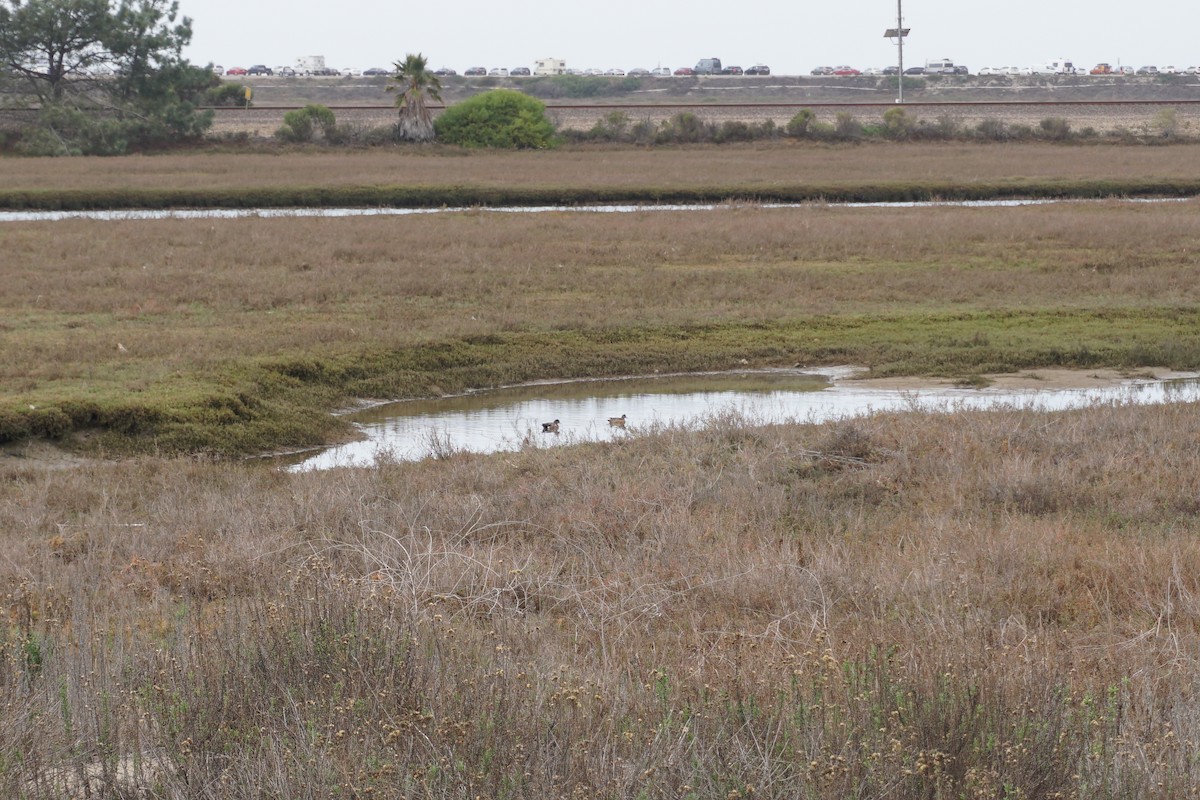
column 733, row 71
column 845, row 71
column 1020, row 70
column 1101, row 69
column 235, row 71
column 1168, row 71
column 498, row 72
column 959, row 69
column 376, row 71
column 259, row 69
column 915, row 71
column 442, row 72
column 520, row 72
column 822, row 71
column 758, row 69
column 351, row 72
column 1126, row 70
column 474, row 71
column 990, row 71
column 891, row 70
column 638, row 72
column 661, row 72
column 1192, row 71
column 1149, row 70
column 685, row 71
column 218, row 69
column 615, row 73
column 874, row 72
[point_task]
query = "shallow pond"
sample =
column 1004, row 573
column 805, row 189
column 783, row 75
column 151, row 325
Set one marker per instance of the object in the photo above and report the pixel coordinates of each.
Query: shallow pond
column 507, row 419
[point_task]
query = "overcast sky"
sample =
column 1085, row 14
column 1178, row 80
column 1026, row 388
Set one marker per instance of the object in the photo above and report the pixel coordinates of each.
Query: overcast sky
column 791, row 37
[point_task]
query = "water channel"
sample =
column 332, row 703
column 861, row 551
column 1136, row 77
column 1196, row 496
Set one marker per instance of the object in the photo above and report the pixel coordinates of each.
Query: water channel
column 510, row 418
column 270, row 213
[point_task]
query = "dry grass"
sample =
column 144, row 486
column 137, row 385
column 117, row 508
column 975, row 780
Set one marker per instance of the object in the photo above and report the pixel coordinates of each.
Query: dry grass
column 981, row 605
column 182, row 294
column 761, row 165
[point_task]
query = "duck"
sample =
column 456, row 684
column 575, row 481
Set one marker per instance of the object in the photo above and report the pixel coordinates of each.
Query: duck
column 550, row 427
column 617, row 422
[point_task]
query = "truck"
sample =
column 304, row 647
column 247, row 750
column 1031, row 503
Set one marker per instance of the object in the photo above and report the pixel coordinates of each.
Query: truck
column 941, row 66
column 708, row 66
column 550, row 66
column 1057, row 66
column 310, row 65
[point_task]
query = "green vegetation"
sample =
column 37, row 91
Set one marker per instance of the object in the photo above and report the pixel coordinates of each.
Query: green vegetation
column 499, row 118
column 462, row 196
column 239, row 336
column 107, row 80
column 300, row 125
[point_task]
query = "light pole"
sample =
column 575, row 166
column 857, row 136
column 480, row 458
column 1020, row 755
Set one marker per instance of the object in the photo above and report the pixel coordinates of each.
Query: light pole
column 898, row 33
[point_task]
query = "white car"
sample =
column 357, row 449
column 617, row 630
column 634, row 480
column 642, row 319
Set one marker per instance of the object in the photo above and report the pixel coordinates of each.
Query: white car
column 498, row 72
column 351, row 72
column 1192, row 71
column 661, row 72
column 615, row 73
column 1168, row 71
column 985, row 71
column 873, row 71
column 1020, row 70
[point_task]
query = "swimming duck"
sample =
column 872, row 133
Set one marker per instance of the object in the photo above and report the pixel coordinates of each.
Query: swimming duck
column 617, row 422
column 550, row 427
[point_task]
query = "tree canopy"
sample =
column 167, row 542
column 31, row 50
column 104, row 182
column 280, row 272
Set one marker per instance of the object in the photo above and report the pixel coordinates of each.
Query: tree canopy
column 106, row 77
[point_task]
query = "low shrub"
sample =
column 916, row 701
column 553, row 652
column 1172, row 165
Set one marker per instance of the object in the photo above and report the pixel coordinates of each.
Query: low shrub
column 500, row 118
column 302, row 124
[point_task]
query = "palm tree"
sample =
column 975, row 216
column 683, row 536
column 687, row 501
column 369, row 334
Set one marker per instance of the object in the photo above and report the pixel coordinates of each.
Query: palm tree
column 415, row 86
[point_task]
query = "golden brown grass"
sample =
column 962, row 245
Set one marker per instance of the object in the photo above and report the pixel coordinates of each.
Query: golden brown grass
column 981, row 605
column 760, row 165
column 182, row 294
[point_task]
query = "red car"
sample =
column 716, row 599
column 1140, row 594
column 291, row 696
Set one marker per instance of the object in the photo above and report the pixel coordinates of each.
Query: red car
column 685, row 71
column 235, row 71
column 844, row 71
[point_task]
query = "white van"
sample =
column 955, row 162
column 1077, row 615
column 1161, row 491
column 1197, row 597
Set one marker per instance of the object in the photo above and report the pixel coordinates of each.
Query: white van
column 942, row 66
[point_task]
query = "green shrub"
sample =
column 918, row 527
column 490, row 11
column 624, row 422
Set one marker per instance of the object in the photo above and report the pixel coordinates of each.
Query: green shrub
column 897, row 124
column 300, row 125
column 1056, row 128
column 991, row 128
column 1166, row 122
column 227, row 95
column 499, row 118
column 799, row 125
column 684, row 128
column 846, row 126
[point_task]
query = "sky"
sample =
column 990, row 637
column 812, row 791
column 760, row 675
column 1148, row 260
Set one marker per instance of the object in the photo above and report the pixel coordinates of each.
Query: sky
column 790, row 37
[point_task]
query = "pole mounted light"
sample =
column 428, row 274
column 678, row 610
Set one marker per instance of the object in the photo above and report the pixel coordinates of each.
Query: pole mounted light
column 898, row 33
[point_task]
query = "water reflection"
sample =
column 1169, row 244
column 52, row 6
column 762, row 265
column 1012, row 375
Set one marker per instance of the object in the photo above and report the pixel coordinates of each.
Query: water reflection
column 507, row 419
column 271, row 213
